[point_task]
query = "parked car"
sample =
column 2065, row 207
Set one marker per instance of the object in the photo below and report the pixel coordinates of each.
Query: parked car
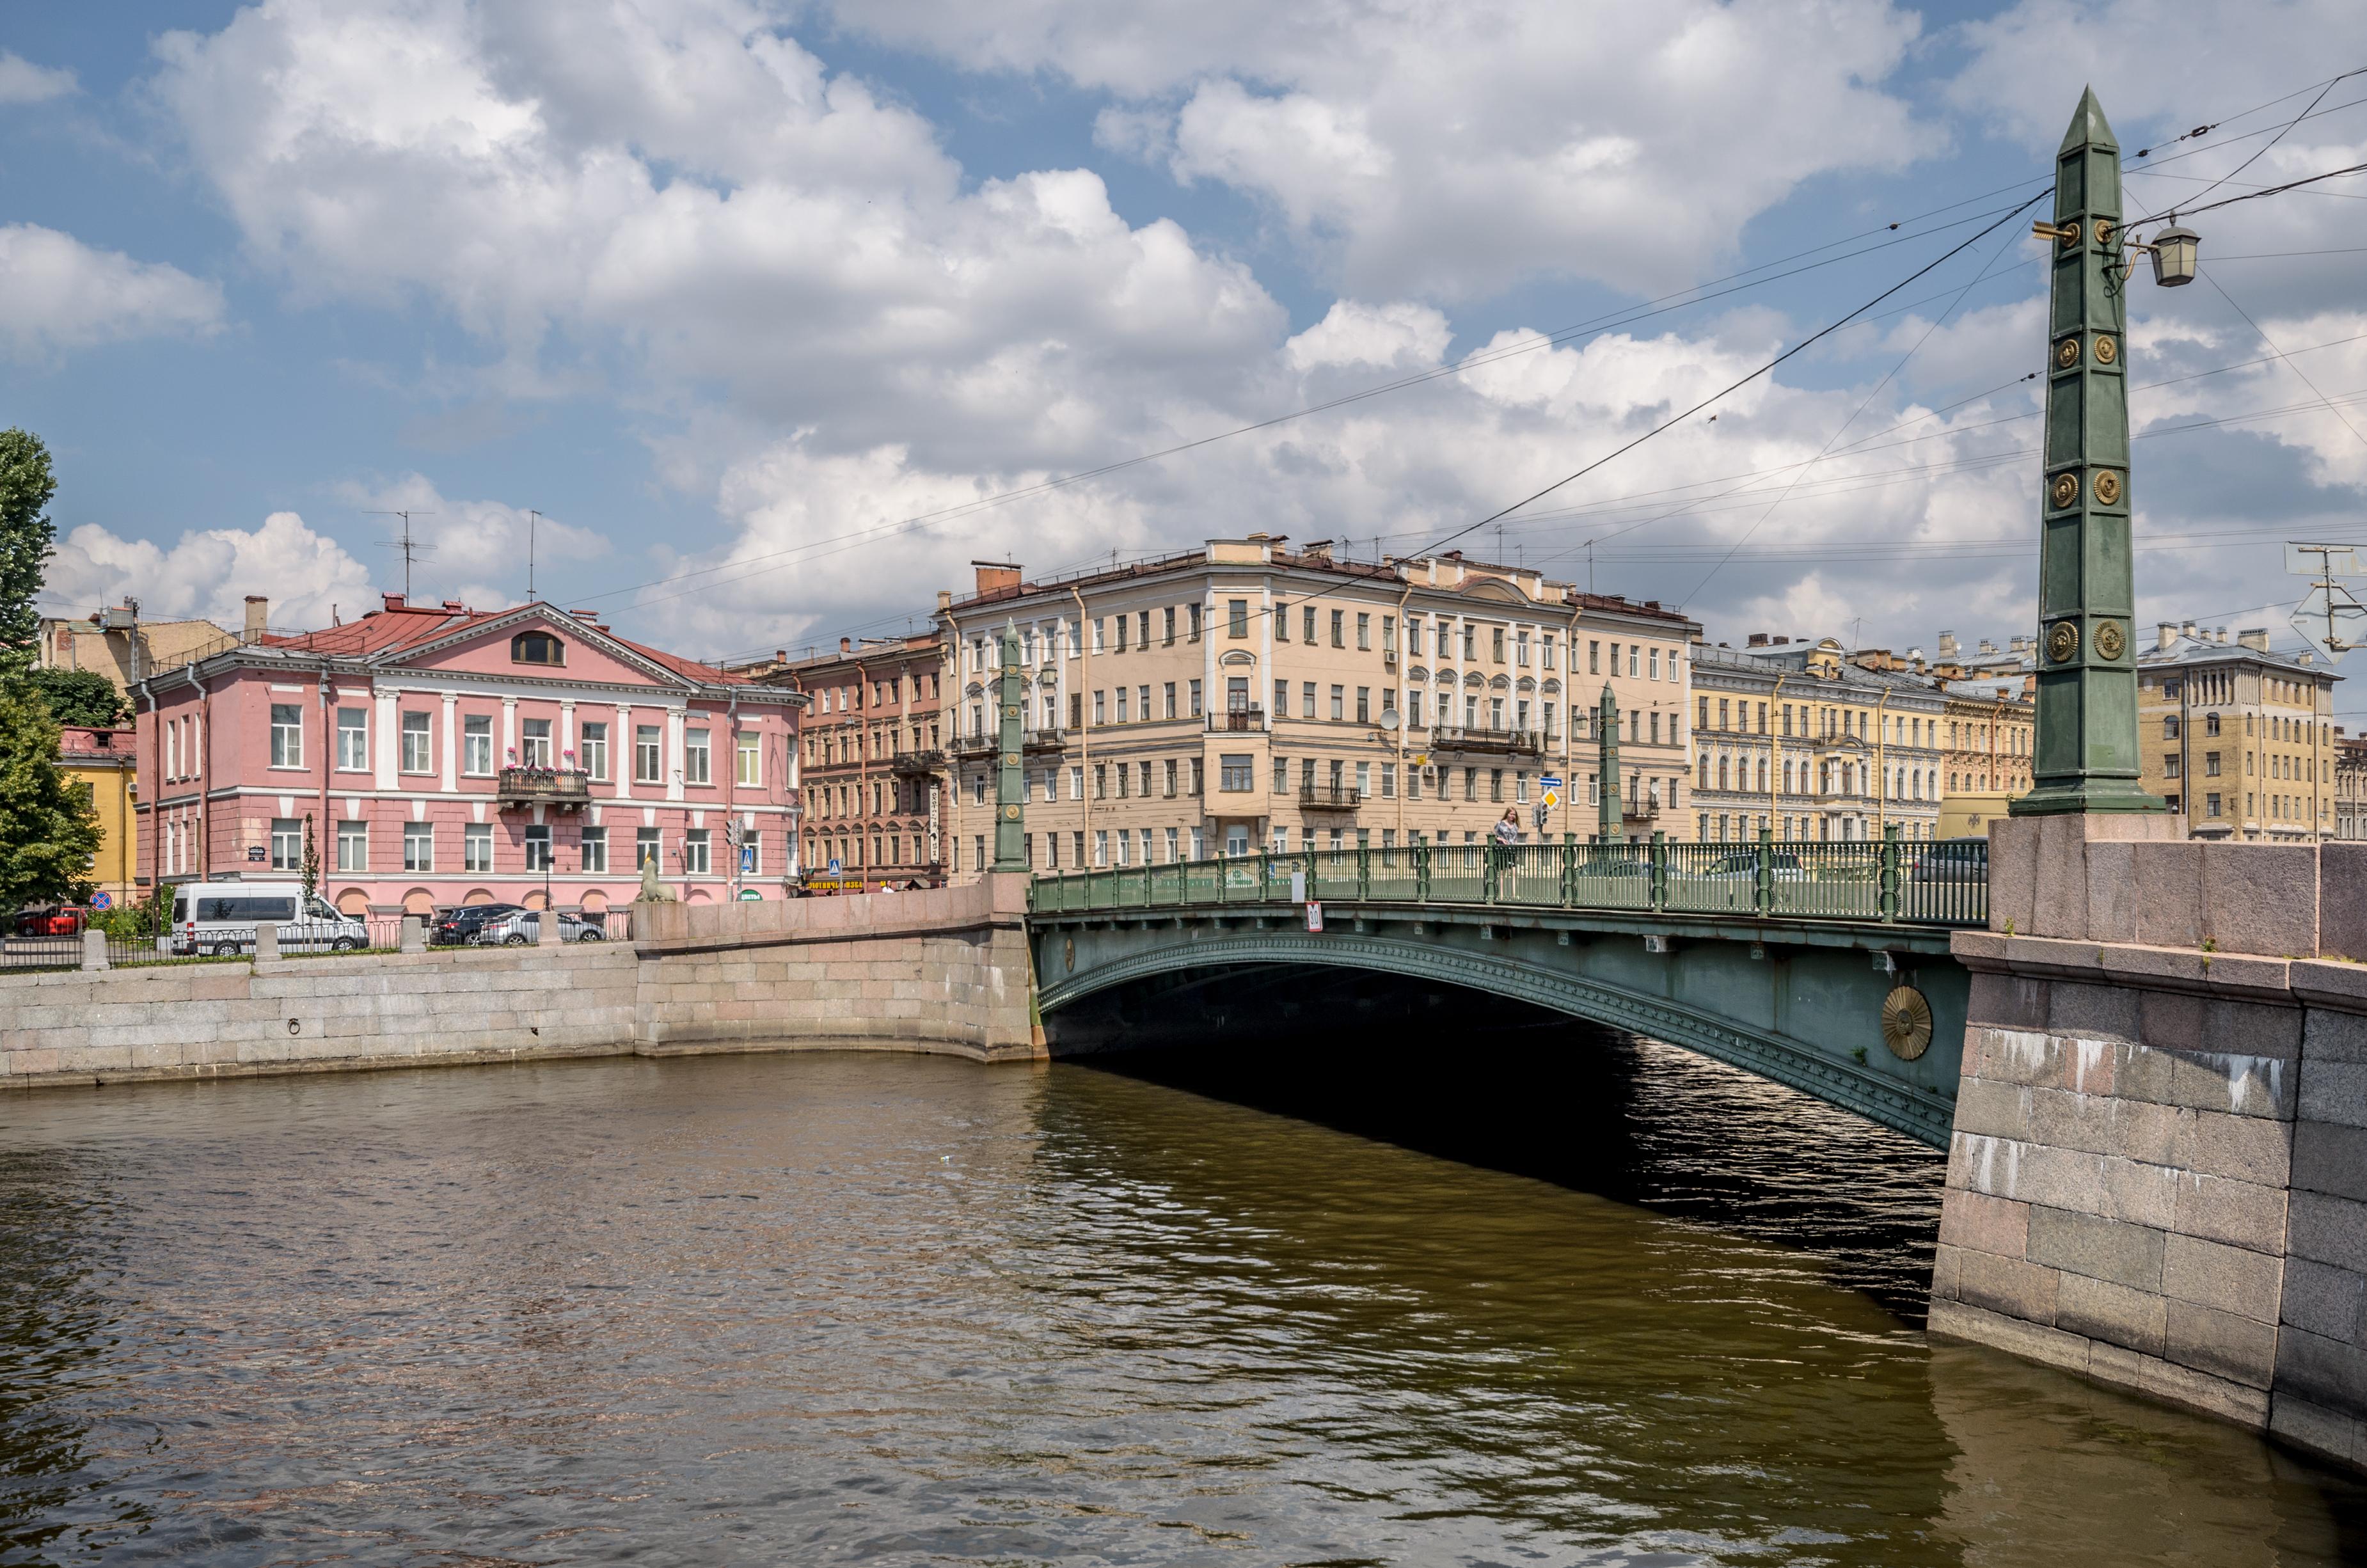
column 1954, row 860
column 219, row 918
column 465, row 924
column 53, row 920
column 1782, row 866
column 525, row 926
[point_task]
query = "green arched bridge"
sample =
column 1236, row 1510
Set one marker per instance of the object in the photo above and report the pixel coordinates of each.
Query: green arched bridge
column 1822, row 966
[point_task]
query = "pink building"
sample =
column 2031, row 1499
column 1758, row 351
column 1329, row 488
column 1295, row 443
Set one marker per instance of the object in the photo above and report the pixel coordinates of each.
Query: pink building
column 444, row 756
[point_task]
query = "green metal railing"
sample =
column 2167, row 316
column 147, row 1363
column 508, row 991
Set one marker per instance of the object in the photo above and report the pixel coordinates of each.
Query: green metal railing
column 1887, row 882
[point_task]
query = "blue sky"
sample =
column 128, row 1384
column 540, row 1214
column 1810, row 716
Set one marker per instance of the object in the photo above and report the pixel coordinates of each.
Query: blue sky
column 730, row 290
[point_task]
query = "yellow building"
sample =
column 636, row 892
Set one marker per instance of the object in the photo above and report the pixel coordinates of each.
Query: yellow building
column 102, row 760
column 2237, row 737
column 125, row 649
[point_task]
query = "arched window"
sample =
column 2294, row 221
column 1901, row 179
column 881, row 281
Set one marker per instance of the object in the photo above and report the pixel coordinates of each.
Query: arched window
column 1704, row 777
column 537, row 648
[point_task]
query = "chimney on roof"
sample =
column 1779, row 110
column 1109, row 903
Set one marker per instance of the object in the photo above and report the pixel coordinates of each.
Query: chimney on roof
column 454, row 607
column 1757, row 639
column 2220, row 636
column 2166, row 635
column 1317, row 549
column 1947, row 647
column 2255, row 638
column 944, row 598
column 391, row 601
column 258, row 611
column 847, row 645
column 2186, row 629
column 996, row 576
column 1777, row 640
column 1987, row 646
column 591, row 615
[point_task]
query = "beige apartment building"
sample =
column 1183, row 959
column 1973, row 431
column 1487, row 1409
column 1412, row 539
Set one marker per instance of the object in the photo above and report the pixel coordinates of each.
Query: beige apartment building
column 1245, row 696
column 2238, row 737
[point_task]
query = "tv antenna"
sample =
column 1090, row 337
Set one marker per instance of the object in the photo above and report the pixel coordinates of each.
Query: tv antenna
column 410, row 551
column 2330, row 618
column 532, row 518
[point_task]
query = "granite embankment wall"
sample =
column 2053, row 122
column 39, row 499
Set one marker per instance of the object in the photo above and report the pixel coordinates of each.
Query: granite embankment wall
column 2158, row 1173
column 942, row 971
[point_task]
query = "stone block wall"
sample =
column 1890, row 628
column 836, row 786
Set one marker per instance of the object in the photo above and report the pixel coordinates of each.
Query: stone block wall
column 2159, row 1171
column 946, row 971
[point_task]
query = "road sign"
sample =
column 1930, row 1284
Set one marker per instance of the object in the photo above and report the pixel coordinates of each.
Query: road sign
column 1552, row 797
column 747, row 859
column 1314, row 915
column 833, row 866
column 100, row 901
column 1550, row 782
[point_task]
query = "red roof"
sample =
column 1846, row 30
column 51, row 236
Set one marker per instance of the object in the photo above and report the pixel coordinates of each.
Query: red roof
column 75, row 739
column 401, row 625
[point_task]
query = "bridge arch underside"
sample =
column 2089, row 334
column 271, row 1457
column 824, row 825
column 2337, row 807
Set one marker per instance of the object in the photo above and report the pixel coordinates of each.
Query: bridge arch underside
column 1809, row 1016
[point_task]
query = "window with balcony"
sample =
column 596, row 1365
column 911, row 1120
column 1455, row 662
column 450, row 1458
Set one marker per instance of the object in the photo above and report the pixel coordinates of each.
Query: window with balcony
column 353, row 740
column 534, row 743
column 287, row 735
column 649, row 754
column 477, row 745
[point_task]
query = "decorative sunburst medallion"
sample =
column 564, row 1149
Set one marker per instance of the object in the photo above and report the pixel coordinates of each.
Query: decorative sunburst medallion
column 2106, row 351
column 2065, row 489
column 2067, row 353
column 1905, row 1022
column 1069, row 953
column 2062, row 642
column 2108, row 488
column 2109, row 639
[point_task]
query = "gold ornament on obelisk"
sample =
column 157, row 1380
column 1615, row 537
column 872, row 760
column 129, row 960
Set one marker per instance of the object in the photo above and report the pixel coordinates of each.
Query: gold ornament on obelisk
column 2066, row 489
column 2108, row 488
column 2109, row 639
column 2063, row 641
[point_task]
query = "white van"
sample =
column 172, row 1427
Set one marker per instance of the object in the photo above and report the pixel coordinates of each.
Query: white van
column 218, row 918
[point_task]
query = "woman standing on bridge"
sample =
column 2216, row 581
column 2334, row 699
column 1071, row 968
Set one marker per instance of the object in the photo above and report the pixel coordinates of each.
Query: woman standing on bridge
column 1508, row 828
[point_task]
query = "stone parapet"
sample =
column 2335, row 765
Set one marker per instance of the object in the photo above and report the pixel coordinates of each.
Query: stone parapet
column 2159, row 1171
column 946, row 971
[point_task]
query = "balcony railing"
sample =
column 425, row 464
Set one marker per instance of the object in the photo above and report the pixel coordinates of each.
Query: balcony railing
column 1237, row 720
column 1502, row 742
column 1330, row 798
column 543, row 787
column 970, row 748
column 927, row 761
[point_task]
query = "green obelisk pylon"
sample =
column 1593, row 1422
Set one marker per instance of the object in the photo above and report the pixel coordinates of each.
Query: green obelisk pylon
column 1011, row 779
column 1609, row 825
column 2086, row 753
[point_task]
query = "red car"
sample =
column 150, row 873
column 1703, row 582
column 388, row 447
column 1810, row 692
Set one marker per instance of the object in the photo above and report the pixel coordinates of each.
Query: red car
column 59, row 920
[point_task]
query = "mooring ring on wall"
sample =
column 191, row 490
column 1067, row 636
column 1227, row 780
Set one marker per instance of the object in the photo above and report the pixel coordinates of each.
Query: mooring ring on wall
column 1069, row 953
column 1905, row 1022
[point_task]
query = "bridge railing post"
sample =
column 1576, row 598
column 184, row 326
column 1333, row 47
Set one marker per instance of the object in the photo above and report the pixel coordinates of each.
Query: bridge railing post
column 1764, row 896
column 1491, row 872
column 1890, row 873
column 1659, row 870
column 1421, row 867
column 1569, row 870
column 1363, row 873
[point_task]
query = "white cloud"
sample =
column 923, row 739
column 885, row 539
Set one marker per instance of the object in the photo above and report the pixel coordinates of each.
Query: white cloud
column 476, row 550
column 206, row 573
column 22, row 82
column 57, row 293
column 1449, row 150
column 1399, row 335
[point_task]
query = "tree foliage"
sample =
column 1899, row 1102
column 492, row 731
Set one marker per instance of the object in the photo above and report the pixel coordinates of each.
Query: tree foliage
column 81, row 696
column 26, row 535
column 48, row 825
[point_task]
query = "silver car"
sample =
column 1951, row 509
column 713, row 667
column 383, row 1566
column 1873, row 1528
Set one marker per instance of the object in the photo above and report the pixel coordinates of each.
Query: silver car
column 525, row 928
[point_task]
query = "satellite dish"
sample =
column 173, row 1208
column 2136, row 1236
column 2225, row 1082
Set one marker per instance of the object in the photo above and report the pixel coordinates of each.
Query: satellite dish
column 1389, row 719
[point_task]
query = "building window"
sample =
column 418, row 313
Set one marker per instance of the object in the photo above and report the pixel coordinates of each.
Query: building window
column 648, row 845
column 537, row 648
column 1238, row 775
column 538, row 848
column 353, row 846
column 596, row 850
column 2210, row 723
column 2211, row 765
column 694, row 852
column 2211, row 805
column 745, row 755
column 1339, row 628
column 477, row 745
column 534, row 743
column 1339, row 702
column 595, row 751
column 287, row 844
column 1237, row 617
column 1191, row 696
column 1496, row 642
column 287, row 735
column 418, row 752
column 1364, row 705
column 694, row 758
column 353, row 740
column 419, row 847
column 477, row 846
column 649, row 758
column 1363, row 630
column 2169, row 766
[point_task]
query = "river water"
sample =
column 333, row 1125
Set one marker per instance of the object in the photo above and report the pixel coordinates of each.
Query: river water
column 843, row 1309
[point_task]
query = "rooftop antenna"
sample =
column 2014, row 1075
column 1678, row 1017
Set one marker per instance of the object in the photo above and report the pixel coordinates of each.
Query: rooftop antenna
column 532, row 518
column 2330, row 618
column 409, row 550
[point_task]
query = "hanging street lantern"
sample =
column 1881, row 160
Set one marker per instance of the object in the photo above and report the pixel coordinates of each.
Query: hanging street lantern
column 2173, row 256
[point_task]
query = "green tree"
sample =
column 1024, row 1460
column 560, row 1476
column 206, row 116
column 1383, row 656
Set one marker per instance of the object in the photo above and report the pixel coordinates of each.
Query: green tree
column 81, row 696
column 26, row 533
column 48, row 826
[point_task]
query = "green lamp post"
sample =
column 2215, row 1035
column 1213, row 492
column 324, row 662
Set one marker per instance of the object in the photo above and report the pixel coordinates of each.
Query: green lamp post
column 2086, row 758
column 1011, row 780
